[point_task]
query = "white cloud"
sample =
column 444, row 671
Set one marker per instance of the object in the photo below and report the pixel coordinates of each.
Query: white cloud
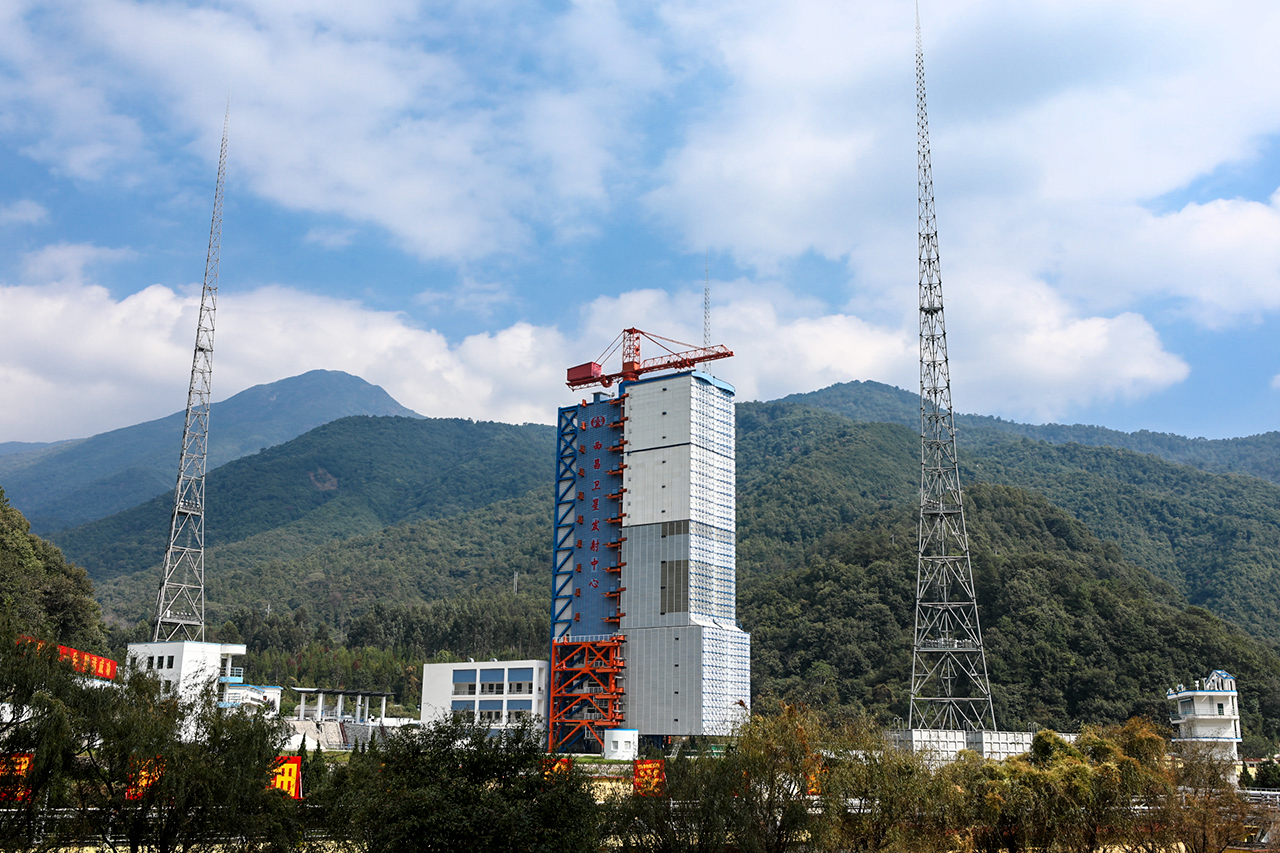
column 96, row 362
column 459, row 147
column 23, row 212
column 65, row 263
column 1017, row 349
column 330, row 238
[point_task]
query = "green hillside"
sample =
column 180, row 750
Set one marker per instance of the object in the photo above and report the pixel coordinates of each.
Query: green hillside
column 430, row 559
column 1215, row 537
column 1256, row 455
column 74, row 482
column 349, row 477
column 1074, row 633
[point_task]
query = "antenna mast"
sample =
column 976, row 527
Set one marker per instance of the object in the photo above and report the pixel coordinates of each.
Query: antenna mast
column 949, row 684
column 706, row 303
column 180, row 604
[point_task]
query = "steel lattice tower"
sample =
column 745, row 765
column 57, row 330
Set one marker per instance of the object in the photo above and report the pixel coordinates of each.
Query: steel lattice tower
column 949, row 684
column 180, row 604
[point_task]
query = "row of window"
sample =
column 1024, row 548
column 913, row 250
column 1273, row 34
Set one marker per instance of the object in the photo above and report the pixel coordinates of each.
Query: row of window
column 158, row 662
column 495, row 717
column 493, row 688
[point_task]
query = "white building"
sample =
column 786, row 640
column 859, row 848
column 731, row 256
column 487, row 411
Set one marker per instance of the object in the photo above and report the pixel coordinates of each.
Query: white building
column 1208, row 713
column 188, row 667
column 499, row 693
column 688, row 662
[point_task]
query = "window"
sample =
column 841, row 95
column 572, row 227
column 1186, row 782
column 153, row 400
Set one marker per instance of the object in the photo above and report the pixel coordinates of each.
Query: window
column 1220, row 713
column 464, row 682
column 519, row 715
column 492, row 687
column 675, row 528
column 151, row 662
column 674, row 594
column 170, row 661
column 491, row 716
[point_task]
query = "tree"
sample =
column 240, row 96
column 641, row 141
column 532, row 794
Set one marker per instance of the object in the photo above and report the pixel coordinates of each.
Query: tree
column 1212, row 813
column 453, row 785
column 163, row 773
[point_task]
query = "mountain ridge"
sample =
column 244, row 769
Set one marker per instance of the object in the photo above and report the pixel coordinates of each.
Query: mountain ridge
column 70, row 483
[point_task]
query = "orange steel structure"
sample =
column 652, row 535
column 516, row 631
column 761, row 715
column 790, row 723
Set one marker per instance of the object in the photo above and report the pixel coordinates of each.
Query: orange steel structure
column 586, row 690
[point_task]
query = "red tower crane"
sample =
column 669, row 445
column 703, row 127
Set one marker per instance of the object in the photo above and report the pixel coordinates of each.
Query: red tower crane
column 592, row 373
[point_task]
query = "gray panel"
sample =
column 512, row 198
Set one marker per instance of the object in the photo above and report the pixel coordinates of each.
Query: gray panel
column 664, row 680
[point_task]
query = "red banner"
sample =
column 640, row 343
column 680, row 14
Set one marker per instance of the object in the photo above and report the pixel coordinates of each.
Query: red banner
column 650, row 777
column 91, row 664
column 288, row 775
column 13, row 776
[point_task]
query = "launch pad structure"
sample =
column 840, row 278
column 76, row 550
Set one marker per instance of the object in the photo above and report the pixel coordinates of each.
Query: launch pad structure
column 644, row 632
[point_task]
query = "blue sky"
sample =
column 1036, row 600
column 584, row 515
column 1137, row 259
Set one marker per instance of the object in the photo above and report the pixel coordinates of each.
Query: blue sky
column 456, row 201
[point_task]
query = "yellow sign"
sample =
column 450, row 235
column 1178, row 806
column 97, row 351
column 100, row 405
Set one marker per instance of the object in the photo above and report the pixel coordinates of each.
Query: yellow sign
column 650, row 777
column 288, row 776
column 142, row 775
column 13, row 776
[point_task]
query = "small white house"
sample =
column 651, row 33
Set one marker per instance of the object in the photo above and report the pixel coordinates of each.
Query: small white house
column 1208, row 713
column 499, row 693
column 188, row 667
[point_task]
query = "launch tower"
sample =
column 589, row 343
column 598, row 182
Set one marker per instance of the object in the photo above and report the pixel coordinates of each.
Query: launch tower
column 644, row 633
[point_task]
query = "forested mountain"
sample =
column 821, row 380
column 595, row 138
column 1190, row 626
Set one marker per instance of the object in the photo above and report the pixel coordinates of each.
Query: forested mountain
column 1256, row 455
column 10, row 447
column 73, row 482
column 352, row 476
column 1074, row 633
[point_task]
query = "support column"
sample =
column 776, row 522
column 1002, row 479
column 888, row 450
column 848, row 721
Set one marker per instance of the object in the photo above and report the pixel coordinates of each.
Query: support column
column 384, row 708
column 319, row 706
column 341, row 697
column 302, row 706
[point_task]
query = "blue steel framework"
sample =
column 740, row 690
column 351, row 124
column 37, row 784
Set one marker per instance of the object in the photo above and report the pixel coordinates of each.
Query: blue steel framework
column 563, row 522
column 586, row 692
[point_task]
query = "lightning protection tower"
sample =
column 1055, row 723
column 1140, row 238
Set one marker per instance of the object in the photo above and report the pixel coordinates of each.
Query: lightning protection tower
column 180, row 603
column 949, row 684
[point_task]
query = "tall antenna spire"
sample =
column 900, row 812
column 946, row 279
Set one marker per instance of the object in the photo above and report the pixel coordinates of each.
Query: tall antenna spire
column 180, row 604
column 706, row 302
column 949, row 684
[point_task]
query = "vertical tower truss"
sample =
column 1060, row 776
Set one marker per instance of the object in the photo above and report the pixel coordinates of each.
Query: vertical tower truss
column 180, row 604
column 949, row 684
column 586, row 695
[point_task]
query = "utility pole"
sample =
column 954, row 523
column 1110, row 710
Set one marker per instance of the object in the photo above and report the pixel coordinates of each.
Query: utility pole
column 180, row 603
column 949, row 684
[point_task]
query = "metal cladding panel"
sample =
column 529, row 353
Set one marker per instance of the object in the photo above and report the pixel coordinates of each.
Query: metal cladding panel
column 713, row 586
column 658, row 412
column 664, row 680
column 726, row 678
column 597, row 529
column 712, row 424
column 645, row 549
column 712, row 491
column 657, row 484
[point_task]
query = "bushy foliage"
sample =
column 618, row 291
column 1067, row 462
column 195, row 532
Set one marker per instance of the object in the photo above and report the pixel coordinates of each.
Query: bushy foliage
column 453, row 785
column 46, row 595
